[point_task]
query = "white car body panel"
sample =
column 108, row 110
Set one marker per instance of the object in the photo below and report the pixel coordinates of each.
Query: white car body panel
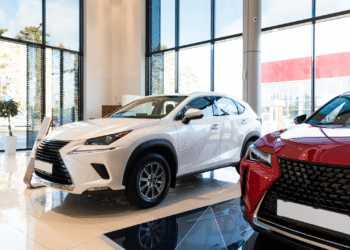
column 98, row 127
column 202, row 144
column 199, row 145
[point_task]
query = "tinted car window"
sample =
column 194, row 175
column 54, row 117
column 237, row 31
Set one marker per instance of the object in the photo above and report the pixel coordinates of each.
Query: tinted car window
column 241, row 108
column 203, row 103
column 225, row 106
column 337, row 112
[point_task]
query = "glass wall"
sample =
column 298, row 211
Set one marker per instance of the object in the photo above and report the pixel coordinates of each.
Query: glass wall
column 21, row 19
column 305, row 58
column 194, row 45
column 13, row 79
column 42, row 72
column 286, row 76
column 194, row 69
column 229, row 66
column 197, row 46
column 332, row 76
column 195, row 21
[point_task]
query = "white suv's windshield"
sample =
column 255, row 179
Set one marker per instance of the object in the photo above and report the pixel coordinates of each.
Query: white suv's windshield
column 337, row 112
column 150, row 107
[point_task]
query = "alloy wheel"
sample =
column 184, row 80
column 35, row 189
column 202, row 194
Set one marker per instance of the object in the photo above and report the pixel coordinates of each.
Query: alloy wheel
column 151, row 181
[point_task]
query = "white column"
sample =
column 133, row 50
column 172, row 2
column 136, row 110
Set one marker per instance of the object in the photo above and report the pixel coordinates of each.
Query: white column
column 252, row 54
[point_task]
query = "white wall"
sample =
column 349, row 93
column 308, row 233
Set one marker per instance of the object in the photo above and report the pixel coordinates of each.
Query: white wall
column 98, row 45
column 114, row 59
column 129, row 54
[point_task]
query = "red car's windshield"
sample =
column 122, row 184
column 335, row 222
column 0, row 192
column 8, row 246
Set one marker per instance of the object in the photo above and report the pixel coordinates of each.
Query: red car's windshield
column 337, row 113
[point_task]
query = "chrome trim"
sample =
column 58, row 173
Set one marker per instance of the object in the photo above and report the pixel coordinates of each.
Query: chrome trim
column 63, row 187
column 273, row 229
column 53, row 184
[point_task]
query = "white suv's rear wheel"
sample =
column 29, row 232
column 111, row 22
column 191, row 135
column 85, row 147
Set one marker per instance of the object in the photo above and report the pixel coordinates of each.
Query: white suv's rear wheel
column 149, row 181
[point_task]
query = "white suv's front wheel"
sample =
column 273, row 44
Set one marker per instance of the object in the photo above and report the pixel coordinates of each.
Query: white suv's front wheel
column 149, row 181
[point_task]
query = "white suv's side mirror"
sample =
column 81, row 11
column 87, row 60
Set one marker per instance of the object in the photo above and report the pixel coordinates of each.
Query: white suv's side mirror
column 192, row 114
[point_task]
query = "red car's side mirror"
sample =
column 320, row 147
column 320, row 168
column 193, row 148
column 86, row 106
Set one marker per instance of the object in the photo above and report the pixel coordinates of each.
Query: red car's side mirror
column 299, row 119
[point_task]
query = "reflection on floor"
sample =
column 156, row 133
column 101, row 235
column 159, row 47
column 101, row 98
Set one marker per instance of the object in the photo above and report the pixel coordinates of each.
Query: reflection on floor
column 46, row 218
column 214, row 227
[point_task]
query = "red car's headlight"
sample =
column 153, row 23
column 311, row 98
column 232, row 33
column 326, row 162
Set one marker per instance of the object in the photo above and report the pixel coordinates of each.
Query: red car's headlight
column 256, row 154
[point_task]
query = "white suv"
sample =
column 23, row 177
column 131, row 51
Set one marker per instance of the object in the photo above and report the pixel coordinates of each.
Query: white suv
column 145, row 146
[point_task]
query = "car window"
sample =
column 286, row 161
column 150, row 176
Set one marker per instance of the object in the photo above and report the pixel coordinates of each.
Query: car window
column 146, row 108
column 168, row 107
column 337, row 112
column 225, row 106
column 241, row 108
column 202, row 103
column 153, row 107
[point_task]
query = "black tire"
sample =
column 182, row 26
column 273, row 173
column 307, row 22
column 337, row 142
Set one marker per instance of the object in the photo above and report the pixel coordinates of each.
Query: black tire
column 140, row 193
column 247, row 145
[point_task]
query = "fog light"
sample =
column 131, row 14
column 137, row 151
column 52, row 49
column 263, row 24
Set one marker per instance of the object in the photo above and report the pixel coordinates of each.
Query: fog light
column 97, row 189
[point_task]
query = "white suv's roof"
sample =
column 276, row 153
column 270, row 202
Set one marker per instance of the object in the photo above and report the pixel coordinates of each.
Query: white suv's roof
column 202, row 93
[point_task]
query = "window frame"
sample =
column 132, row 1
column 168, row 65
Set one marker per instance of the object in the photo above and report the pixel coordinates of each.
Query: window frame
column 43, row 46
column 234, row 103
column 181, row 113
column 313, row 20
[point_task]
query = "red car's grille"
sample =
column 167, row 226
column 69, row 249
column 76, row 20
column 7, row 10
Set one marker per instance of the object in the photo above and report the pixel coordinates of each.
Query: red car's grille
column 317, row 185
column 48, row 151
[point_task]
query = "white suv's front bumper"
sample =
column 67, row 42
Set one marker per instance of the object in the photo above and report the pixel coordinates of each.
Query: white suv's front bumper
column 84, row 177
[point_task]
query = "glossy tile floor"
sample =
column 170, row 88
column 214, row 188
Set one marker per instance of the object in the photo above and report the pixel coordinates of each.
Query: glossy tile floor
column 49, row 219
column 219, row 226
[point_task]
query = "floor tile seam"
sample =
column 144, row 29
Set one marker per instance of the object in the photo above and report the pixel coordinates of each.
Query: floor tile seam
column 31, row 236
column 222, row 237
column 215, row 203
column 39, row 243
column 186, row 209
column 9, row 240
column 73, row 245
column 26, row 235
column 8, row 224
column 154, row 218
column 191, row 228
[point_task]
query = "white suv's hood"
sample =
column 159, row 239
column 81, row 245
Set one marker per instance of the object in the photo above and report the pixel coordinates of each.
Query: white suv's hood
column 98, row 127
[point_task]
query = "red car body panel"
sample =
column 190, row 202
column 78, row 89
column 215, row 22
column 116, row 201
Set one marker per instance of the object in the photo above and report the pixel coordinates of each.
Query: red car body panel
column 302, row 142
column 262, row 176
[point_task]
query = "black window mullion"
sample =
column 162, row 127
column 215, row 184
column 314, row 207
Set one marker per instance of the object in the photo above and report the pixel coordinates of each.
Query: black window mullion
column 177, row 40
column 44, row 22
column 212, row 52
column 176, row 71
column 43, row 60
column 313, row 66
column 148, row 50
column 81, row 63
column 27, row 99
column 61, row 87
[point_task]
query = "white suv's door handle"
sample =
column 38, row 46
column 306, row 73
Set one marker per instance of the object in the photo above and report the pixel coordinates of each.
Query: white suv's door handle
column 215, row 126
column 244, row 121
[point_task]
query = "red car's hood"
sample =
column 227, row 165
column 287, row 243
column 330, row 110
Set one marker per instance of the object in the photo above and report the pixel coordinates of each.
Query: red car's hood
column 309, row 143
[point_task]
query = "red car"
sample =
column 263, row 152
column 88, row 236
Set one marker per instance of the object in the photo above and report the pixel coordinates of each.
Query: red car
column 296, row 182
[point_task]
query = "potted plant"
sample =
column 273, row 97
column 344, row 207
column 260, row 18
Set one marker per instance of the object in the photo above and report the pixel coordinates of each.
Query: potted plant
column 9, row 109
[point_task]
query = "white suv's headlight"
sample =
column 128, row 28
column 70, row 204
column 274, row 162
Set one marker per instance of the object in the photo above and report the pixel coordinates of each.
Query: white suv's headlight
column 106, row 140
column 256, row 154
